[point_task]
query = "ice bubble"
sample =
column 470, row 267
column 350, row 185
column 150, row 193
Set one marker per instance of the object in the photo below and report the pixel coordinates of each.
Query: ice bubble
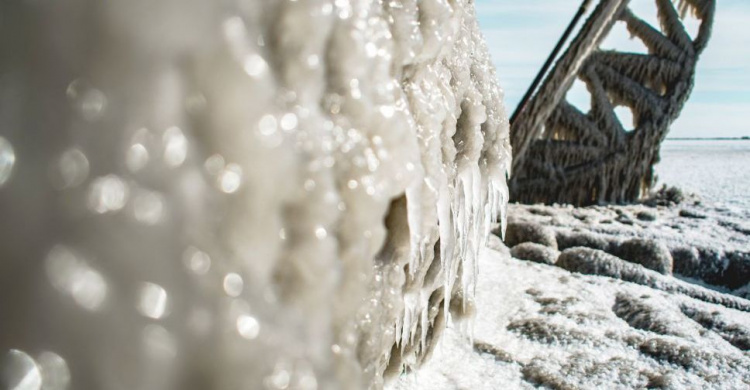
column 153, row 301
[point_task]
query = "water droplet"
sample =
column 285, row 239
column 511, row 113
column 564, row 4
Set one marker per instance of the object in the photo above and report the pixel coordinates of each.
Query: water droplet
column 280, row 378
column 371, row 49
column 107, row 194
column 214, row 164
column 73, row 276
column 153, row 301
column 148, row 207
column 233, row 285
column 54, row 370
column 89, row 101
column 387, row 111
column 309, row 185
column 93, row 104
column 267, row 125
column 136, row 157
column 7, row 160
column 234, row 28
column 282, row 234
column 307, row 381
column 352, row 184
column 20, row 371
column 196, row 261
column 175, row 147
column 321, row 233
column 230, row 179
column 313, row 61
column 72, row 169
column 254, row 65
column 289, row 121
column 344, row 9
column 248, row 327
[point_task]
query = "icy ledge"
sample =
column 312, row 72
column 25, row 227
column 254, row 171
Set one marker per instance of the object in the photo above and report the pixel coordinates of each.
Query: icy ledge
column 240, row 194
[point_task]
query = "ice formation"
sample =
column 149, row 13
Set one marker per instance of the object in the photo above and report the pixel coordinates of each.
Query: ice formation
column 240, row 194
column 564, row 155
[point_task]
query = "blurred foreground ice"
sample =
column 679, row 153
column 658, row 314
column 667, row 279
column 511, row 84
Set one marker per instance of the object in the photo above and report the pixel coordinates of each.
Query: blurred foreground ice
column 240, row 194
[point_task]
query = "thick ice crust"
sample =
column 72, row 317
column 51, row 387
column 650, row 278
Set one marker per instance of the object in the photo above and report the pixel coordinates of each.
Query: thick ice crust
column 238, row 194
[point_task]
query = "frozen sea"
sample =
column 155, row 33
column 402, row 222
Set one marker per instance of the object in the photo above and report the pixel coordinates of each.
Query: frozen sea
column 717, row 170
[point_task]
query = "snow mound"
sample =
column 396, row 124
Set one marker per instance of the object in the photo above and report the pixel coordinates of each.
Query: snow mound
column 242, row 194
column 651, row 254
column 517, row 233
column 535, row 252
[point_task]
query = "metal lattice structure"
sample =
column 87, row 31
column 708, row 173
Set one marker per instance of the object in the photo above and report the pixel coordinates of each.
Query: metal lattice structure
column 564, row 155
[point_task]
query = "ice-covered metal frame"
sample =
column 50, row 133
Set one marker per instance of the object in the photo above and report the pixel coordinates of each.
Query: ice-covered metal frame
column 564, row 155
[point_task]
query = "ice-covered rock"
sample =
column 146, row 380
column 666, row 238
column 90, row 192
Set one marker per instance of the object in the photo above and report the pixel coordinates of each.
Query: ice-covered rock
column 728, row 269
column 535, row 252
column 242, row 194
column 651, row 254
column 569, row 239
column 595, row 262
column 685, row 260
column 710, row 250
column 647, row 215
column 666, row 196
column 520, row 232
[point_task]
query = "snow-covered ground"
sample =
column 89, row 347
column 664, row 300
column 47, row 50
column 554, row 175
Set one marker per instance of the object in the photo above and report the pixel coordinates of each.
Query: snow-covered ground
column 541, row 325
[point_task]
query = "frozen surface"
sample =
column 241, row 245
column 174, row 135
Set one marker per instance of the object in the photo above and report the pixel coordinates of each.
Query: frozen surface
column 717, row 170
column 539, row 325
column 240, row 194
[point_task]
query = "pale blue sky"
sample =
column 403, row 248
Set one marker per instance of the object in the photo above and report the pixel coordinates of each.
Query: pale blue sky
column 521, row 33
